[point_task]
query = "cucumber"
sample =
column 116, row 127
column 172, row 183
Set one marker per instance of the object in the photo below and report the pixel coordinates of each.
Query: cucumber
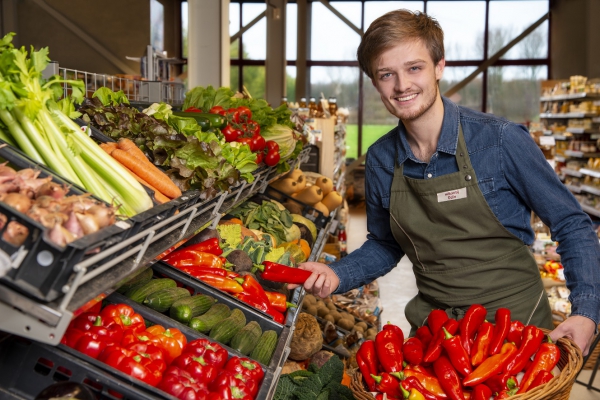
column 162, row 300
column 246, row 339
column 226, row 329
column 184, row 309
column 215, row 314
column 139, row 293
column 138, row 280
column 265, row 347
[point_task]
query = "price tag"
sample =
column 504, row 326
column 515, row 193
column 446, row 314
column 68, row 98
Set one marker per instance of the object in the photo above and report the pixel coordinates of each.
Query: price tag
column 547, row 141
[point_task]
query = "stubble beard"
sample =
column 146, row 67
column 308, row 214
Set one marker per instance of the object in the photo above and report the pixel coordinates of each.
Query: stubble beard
column 428, row 103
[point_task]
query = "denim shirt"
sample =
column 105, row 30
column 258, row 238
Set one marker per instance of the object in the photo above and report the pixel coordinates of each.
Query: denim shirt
column 513, row 176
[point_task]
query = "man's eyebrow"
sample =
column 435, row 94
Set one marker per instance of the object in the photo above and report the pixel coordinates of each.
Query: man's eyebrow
column 414, row 62
column 383, row 69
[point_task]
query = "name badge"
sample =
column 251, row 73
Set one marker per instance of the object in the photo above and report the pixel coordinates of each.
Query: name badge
column 452, row 195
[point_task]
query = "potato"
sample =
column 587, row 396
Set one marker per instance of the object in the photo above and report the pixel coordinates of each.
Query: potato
column 312, row 310
column 331, row 306
column 347, row 315
column 322, row 311
column 345, row 323
column 371, row 332
column 363, row 324
column 336, row 315
column 310, row 299
column 329, row 317
column 359, row 328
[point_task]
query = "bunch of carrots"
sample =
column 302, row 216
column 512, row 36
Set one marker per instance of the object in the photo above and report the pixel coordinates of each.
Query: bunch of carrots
column 131, row 157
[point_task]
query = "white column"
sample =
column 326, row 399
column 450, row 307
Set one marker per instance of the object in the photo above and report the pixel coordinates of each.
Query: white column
column 276, row 59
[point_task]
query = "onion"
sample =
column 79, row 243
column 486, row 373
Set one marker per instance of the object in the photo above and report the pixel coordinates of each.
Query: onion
column 37, row 213
column 103, row 215
column 15, row 234
column 50, row 220
column 18, row 201
column 32, row 185
column 8, row 187
column 72, row 225
column 52, row 189
column 2, row 220
column 48, row 203
column 28, row 173
column 6, row 173
column 88, row 223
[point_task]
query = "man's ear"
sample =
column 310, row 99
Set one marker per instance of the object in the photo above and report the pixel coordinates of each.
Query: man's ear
column 439, row 69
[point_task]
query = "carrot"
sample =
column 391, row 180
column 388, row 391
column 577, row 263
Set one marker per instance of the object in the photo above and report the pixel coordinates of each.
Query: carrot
column 130, row 147
column 108, row 146
column 158, row 196
column 148, row 172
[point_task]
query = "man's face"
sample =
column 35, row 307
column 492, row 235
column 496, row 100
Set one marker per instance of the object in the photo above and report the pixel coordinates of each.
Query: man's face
column 406, row 79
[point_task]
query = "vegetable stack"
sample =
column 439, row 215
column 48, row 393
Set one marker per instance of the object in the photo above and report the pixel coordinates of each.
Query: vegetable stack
column 457, row 360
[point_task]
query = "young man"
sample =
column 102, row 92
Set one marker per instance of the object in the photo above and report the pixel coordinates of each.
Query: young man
column 453, row 189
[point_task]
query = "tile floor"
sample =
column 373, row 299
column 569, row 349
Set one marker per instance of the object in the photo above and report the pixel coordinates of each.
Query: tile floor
column 398, row 287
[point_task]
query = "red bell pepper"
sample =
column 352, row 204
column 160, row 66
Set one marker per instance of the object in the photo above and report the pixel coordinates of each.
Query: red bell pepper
column 388, row 345
column 171, row 340
column 279, row 301
column 182, row 385
column 515, row 332
column 424, row 335
column 436, row 319
column 129, row 318
column 492, row 365
column 239, row 392
column 505, row 394
column 502, row 319
column 469, row 325
column 532, row 339
column 434, row 350
column 213, row 353
column 456, row 353
column 480, row 349
column 138, row 365
column 413, row 383
column 545, row 359
column 246, row 367
column 91, row 338
column 227, row 378
column 211, row 246
column 387, row 384
column 413, row 351
column 366, row 358
column 481, row 392
column 427, row 380
column 540, row 378
column 198, row 367
column 503, row 381
column 187, row 258
column 448, row 378
column 282, row 273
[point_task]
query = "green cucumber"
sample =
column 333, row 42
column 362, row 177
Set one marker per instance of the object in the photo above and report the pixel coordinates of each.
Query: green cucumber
column 215, row 314
column 246, row 339
column 184, row 309
column 139, row 293
column 162, row 300
column 226, row 329
column 265, row 347
column 215, row 120
column 138, row 280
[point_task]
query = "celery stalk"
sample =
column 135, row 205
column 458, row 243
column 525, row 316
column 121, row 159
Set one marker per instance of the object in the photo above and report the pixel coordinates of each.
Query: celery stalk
column 19, row 136
column 7, row 138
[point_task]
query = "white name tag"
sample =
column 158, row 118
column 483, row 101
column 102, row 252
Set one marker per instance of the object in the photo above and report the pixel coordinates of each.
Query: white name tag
column 452, row 195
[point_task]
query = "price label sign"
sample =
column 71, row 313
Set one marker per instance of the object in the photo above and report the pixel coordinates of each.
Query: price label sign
column 547, row 141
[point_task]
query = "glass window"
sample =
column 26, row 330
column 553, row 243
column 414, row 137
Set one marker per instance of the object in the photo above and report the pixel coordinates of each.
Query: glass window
column 157, row 25
column 331, row 38
column 234, row 18
column 234, row 76
column 375, row 9
column 463, row 23
column 514, row 92
column 254, row 40
column 184, row 30
column 469, row 96
column 291, row 32
column 290, row 83
column 377, row 120
column 254, row 81
column 508, row 19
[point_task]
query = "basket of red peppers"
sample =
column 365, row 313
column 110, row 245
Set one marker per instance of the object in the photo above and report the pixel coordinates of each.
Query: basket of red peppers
column 468, row 359
column 161, row 359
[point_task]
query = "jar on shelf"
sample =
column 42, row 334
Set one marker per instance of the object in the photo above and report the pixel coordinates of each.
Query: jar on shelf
column 312, row 107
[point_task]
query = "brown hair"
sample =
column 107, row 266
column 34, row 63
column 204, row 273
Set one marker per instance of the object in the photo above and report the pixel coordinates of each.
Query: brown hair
column 397, row 26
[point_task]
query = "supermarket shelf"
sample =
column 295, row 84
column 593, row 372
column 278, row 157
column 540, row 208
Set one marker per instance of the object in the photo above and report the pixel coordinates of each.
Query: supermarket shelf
column 560, row 158
column 568, row 115
column 590, row 189
column 573, row 188
column 572, row 172
column 581, row 130
column 591, row 172
column 590, row 210
column 570, row 96
column 580, row 154
column 561, row 137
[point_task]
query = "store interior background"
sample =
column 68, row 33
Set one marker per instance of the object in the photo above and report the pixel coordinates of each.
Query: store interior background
column 98, row 36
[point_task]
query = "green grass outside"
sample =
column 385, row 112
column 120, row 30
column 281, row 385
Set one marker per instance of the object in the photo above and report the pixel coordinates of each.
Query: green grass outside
column 370, row 134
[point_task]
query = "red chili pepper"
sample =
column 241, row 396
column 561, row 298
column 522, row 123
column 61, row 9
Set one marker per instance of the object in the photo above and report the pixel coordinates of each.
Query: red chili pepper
column 424, row 335
column 545, row 359
column 127, row 315
column 481, row 392
column 230, row 379
column 413, row 383
column 252, row 287
column 532, row 339
column 388, row 345
column 505, row 394
column 282, row 273
column 211, row 246
column 246, row 367
column 436, row 320
column 413, row 351
column 387, row 384
column 252, row 301
column 279, row 301
column 472, row 320
column 515, row 331
column 540, row 378
column 193, row 271
column 182, row 385
column 501, row 329
column 220, row 282
column 456, row 353
column 434, row 350
column 480, row 349
column 187, row 258
column 492, row 365
column 448, row 378
column 428, row 380
column 277, row 316
column 503, row 381
column 366, row 358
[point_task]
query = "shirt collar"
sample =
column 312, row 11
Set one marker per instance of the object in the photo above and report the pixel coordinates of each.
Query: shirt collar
column 448, row 137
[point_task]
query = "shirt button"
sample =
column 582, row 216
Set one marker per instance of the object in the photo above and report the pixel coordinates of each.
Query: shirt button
column 429, row 175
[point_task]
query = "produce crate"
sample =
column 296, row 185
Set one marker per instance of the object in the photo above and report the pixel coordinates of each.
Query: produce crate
column 41, row 268
column 27, row 367
column 316, row 216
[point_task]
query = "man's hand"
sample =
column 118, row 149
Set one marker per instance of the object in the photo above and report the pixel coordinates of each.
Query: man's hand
column 577, row 328
column 322, row 282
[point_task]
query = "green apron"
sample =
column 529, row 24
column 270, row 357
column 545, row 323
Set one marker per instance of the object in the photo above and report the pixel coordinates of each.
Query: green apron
column 461, row 253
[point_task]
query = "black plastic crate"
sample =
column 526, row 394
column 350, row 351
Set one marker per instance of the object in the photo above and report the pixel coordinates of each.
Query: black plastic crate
column 316, row 216
column 42, row 268
column 27, row 367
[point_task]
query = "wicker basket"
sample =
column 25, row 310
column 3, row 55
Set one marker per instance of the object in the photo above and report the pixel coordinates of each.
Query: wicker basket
column 559, row 388
column 559, row 317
